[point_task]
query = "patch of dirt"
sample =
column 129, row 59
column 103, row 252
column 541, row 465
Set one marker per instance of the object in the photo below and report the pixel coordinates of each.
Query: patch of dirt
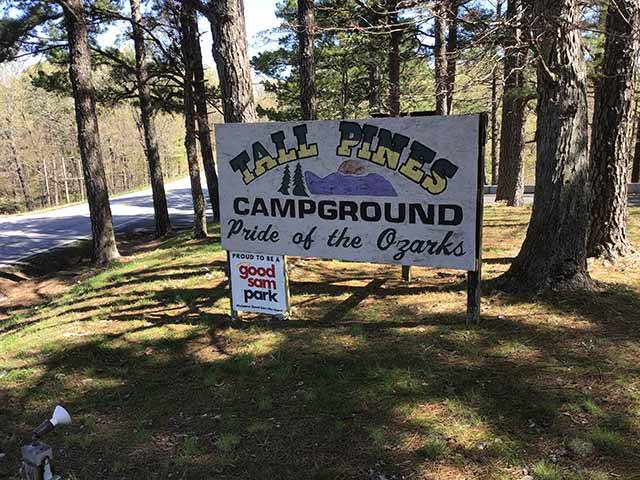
column 44, row 276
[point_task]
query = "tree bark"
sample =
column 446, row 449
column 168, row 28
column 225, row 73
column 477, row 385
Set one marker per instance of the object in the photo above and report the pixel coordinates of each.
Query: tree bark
column 452, row 51
column 104, row 242
column 514, row 104
column 47, row 188
column 56, row 180
column 635, row 168
column 306, row 35
column 161, row 213
column 495, row 103
column 611, row 132
column 395, row 36
column 199, row 207
column 202, row 115
column 440, row 57
column 67, row 196
column 230, row 55
column 373, row 66
column 373, row 71
column 553, row 255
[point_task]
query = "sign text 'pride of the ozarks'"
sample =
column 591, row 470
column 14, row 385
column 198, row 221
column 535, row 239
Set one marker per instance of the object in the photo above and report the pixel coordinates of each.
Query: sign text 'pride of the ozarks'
column 389, row 190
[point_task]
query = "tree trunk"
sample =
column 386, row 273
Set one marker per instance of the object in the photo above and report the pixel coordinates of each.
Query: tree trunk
column 199, row 207
column 47, row 188
column 452, row 51
column 161, row 213
column 373, row 71
column 56, row 180
column 514, row 104
column 344, row 86
column 230, row 55
column 306, row 28
column 79, row 177
column 395, row 36
column 202, row 115
column 104, row 242
column 440, row 57
column 635, row 169
column 611, row 132
column 67, row 196
column 21, row 173
column 373, row 66
column 495, row 103
column 553, row 254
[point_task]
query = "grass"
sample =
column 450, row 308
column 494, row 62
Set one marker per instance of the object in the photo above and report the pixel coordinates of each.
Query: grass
column 369, row 375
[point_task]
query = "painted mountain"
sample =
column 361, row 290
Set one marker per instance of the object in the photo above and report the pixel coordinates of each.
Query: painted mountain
column 338, row 183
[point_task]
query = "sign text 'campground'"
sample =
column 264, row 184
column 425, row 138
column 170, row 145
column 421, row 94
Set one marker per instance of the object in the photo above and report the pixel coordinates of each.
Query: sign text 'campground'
column 396, row 190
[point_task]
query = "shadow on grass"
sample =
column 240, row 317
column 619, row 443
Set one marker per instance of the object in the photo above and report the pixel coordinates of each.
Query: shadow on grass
column 330, row 398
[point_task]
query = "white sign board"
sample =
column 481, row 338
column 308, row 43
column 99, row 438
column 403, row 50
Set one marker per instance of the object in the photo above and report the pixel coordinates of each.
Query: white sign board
column 258, row 283
column 387, row 190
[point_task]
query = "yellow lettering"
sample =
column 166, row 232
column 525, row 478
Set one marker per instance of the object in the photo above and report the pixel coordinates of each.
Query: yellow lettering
column 264, row 164
column 306, row 151
column 247, row 176
column 344, row 149
column 386, row 157
column 434, row 183
column 364, row 152
column 412, row 169
column 285, row 156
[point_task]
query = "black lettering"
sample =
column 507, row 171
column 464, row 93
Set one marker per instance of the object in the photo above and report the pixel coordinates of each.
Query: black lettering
column 306, row 207
column 277, row 209
column 259, row 207
column 327, row 210
column 236, row 205
column 364, row 214
column 350, row 136
column 349, row 209
column 386, row 239
column 456, row 216
column 388, row 213
column 426, row 218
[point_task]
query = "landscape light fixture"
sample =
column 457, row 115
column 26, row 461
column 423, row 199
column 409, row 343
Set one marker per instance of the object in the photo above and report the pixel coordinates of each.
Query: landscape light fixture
column 37, row 455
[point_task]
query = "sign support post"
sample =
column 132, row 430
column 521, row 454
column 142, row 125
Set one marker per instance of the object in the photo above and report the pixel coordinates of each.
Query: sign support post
column 475, row 277
column 234, row 313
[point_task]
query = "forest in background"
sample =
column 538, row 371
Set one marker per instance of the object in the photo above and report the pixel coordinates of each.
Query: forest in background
column 351, row 74
column 40, row 163
column 349, row 57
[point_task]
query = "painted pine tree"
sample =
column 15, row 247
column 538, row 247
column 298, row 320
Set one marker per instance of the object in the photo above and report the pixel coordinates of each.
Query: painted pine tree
column 286, row 181
column 299, row 187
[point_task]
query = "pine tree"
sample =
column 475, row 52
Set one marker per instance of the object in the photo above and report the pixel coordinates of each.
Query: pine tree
column 554, row 253
column 286, row 181
column 611, row 132
column 299, row 187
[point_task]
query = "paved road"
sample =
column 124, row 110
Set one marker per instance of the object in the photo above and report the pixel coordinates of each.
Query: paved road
column 25, row 235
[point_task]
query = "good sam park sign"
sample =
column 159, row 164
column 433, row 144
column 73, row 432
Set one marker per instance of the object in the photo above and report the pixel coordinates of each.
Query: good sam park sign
column 388, row 190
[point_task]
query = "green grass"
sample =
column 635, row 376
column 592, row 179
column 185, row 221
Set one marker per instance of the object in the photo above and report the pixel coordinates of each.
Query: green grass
column 367, row 376
column 433, row 450
column 545, row 471
column 608, row 441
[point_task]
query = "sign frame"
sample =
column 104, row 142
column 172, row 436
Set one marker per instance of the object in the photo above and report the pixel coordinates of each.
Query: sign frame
column 474, row 276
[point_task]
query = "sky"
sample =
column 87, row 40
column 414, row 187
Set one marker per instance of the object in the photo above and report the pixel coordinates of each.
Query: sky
column 259, row 18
